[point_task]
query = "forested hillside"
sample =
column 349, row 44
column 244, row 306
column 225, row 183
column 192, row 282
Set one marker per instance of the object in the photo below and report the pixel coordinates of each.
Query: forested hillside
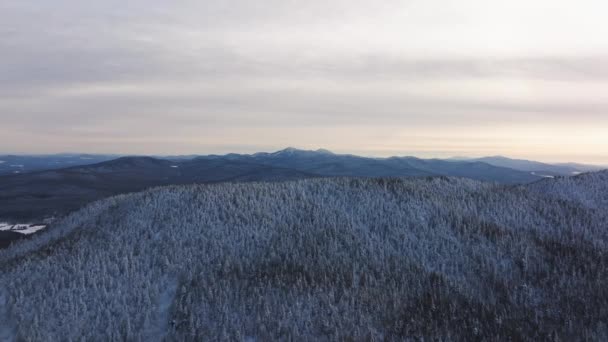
column 319, row 259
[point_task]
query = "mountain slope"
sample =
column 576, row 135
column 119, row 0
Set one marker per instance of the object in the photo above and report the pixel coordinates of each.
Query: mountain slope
column 543, row 169
column 38, row 195
column 473, row 170
column 589, row 189
column 12, row 164
column 323, row 259
column 325, row 163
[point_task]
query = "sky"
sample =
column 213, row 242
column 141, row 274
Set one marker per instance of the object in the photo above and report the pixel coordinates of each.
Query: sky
column 430, row 78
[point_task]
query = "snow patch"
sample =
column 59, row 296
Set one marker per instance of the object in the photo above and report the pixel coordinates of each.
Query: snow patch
column 545, row 176
column 23, row 228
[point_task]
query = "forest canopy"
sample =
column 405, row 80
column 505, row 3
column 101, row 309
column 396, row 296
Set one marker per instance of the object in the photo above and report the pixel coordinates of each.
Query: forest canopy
column 321, row 259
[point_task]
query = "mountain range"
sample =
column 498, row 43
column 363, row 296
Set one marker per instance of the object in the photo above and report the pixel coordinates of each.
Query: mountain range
column 18, row 164
column 541, row 169
column 54, row 192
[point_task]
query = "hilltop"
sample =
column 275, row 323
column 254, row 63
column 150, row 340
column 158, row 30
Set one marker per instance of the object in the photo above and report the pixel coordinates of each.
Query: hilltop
column 323, row 259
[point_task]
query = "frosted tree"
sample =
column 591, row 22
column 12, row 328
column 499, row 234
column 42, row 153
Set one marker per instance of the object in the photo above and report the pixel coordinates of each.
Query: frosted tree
column 328, row 259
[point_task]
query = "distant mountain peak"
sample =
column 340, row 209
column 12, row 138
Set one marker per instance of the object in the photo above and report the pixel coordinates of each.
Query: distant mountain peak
column 289, row 150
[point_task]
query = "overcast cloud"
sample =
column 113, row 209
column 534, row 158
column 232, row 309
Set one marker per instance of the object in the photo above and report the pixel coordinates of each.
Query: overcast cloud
column 422, row 77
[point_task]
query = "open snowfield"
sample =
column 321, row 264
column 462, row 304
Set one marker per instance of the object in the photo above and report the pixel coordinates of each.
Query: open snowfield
column 23, row 228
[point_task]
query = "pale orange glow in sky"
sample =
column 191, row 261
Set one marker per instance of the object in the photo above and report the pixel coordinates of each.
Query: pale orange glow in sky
column 427, row 78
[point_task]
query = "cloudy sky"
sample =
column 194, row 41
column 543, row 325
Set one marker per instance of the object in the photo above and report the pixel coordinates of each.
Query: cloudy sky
column 414, row 77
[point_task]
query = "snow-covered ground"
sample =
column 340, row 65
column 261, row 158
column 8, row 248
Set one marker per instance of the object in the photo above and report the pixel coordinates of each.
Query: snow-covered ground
column 23, row 228
column 545, row 176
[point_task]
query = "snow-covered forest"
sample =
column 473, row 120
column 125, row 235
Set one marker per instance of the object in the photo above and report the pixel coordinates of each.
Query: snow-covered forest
column 320, row 259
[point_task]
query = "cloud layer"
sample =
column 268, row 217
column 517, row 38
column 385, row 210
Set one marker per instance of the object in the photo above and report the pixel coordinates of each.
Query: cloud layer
column 431, row 78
